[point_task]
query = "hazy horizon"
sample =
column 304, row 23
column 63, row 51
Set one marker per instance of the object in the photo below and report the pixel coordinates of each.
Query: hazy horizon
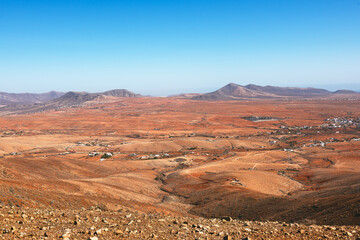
column 169, row 92
column 171, row 47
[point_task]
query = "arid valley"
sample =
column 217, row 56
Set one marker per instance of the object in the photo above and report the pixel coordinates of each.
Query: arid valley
column 198, row 120
column 283, row 160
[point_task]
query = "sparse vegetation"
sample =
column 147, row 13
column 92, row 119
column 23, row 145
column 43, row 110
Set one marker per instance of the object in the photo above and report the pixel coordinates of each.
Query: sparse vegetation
column 218, row 171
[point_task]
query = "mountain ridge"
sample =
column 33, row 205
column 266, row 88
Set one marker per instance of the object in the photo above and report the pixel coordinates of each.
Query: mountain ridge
column 233, row 91
column 28, row 98
column 67, row 100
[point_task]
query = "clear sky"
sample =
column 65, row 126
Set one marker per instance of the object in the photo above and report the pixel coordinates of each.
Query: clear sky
column 162, row 47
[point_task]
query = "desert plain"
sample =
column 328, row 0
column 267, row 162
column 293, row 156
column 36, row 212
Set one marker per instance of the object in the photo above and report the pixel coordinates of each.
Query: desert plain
column 293, row 161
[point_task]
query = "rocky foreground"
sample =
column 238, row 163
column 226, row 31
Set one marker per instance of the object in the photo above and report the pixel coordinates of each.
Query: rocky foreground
column 98, row 223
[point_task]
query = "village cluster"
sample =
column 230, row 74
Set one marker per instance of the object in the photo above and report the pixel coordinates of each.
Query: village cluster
column 338, row 123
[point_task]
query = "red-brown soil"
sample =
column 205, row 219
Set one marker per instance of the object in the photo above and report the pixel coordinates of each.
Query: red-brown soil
column 188, row 158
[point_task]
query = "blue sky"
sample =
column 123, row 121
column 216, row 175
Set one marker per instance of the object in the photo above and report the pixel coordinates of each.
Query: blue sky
column 174, row 46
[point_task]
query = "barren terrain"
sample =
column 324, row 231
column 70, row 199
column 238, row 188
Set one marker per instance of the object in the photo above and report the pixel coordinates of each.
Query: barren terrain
column 259, row 160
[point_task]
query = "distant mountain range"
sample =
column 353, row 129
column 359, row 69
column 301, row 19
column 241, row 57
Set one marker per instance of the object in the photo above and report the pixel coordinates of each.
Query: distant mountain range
column 29, row 103
column 28, row 98
column 76, row 98
column 70, row 99
column 234, row 91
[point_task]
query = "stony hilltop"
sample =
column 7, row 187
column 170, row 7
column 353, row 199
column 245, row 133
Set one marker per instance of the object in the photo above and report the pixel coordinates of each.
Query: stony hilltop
column 98, row 223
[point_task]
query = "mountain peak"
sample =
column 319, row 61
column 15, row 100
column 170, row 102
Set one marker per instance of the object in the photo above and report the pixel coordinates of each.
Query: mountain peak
column 121, row 93
column 233, row 91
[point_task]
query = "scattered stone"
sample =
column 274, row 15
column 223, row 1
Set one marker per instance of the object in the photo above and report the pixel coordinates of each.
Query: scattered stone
column 301, row 231
column 226, row 218
column 114, row 225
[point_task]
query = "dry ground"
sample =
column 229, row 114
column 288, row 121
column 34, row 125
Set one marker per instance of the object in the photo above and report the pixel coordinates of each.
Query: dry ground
column 188, row 158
